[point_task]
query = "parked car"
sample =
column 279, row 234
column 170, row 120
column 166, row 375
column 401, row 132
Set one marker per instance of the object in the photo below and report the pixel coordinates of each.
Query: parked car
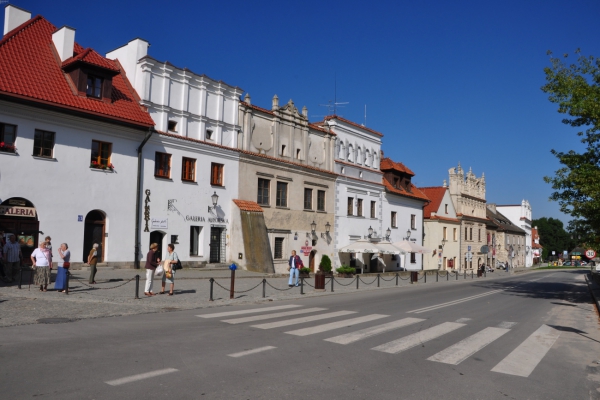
column 500, row 265
column 584, row 263
column 567, row 264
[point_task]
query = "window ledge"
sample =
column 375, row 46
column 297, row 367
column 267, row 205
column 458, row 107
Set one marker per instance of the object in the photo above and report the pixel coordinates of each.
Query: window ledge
column 107, row 170
column 217, row 186
column 189, row 182
column 308, row 210
column 9, row 153
column 44, row 158
column 264, row 205
column 282, row 208
column 161, row 178
column 322, row 212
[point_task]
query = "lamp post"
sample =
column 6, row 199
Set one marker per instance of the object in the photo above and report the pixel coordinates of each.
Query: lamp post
column 214, row 198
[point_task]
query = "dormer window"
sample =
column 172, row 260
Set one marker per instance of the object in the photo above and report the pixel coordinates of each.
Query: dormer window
column 396, row 181
column 94, row 86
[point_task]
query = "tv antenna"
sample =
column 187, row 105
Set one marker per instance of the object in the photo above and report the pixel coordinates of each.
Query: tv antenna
column 334, row 104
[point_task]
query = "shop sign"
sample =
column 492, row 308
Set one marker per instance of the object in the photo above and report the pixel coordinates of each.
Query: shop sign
column 16, row 211
column 194, row 218
column 223, row 220
column 159, row 223
column 306, row 250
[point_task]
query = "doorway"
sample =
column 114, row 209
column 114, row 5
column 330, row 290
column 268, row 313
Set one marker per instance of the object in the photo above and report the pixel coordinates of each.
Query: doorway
column 217, row 245
column 157, row 237
column 94, row 232
column 311, row 260
column 25, row 227
column 373, row 263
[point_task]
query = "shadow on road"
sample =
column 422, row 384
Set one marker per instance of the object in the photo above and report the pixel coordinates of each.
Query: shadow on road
column 573, row 330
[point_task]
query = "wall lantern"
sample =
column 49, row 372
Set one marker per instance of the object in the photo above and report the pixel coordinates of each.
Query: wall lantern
column 214, row 198
column 388, row 233
column 313, row 227
column 327, row 228
column 370, row 230
column 407, row 235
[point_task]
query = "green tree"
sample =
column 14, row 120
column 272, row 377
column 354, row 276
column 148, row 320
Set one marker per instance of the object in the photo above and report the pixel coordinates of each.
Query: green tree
column 576, row 90
column 553, row 236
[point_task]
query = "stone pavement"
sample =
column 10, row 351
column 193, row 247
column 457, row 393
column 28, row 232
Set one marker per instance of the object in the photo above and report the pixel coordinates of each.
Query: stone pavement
column 114, row 293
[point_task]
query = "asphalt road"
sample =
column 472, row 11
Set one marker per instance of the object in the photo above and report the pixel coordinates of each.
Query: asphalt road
column 530, row 336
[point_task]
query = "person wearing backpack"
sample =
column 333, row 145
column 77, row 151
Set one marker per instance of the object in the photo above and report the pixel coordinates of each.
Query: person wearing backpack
column 170, row 265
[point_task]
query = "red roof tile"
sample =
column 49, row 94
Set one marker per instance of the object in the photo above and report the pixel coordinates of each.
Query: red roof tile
column 30, row 69
column 330, row 117
column 245, row 205
column 435, row 194
column 445, row 219
column 90, row 56
column 414, row 193
column 388, row 164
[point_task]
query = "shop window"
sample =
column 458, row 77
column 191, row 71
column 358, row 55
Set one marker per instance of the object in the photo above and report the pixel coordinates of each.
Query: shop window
column 307, row 199
column 359, row 208
column 162, row 165
column 413, row 221
column 350, row 205
column 101, row 152
column 43, row 143
column 413, row 258
column 394, row 221
column 172, row 126
column 216, row 174
column 195, row 245
column 94, row 86
column 278, row 248
column 8, row 136
column 263, row 191
column 320, row 200
column 281, row 198
column 188, row 169
column 373, row 209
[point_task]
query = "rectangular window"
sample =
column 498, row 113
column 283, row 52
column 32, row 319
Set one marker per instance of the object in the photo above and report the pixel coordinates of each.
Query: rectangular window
column 188, row 169
column 194, row 240
column 455, row 233
column 8, row 136
column 278, row 248
column 308, row 199
column 394, row 220
column 263, row 191
column 209, row 134
column 281, row 199
column 373, row 209
column 445, row 233
column 320, row 200
column 172, row 126
column 446, row 208
column 162, row 165
column 43, row 143
column 216, row 174
column 413, row 258
column 470, row 233
column 101, row 152
column 94, row 86
column 413, row 221
column 359, row 208
column 466, row 233
column 479, row 236
column 350, row 205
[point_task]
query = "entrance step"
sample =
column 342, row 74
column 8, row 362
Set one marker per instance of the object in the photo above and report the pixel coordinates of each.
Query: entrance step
column 215, row 266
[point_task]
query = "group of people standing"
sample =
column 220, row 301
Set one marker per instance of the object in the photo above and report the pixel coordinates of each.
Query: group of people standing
column 168, row 265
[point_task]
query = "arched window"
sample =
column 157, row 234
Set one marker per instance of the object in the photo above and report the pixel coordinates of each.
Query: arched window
column 350, row 157
column 359, row 157
column 367, row 158
column 342, row 152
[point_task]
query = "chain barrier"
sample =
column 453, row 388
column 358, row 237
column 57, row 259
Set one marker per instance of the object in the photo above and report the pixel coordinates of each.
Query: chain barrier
column 366, row 282
column 101, row 288
column 388, row 280
column 344, row 284
column 421, row 278
column 306, row 283
column 281, row 290
column 238, row 291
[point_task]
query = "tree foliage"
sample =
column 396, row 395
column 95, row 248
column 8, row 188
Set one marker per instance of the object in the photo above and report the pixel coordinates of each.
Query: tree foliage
column 553, row 236
column 576, row 89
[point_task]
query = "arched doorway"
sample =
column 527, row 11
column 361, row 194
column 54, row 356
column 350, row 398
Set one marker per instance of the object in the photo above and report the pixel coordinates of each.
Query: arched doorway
column 18, row 216
column 311, row 260
column 157, row 237
column 94, row 232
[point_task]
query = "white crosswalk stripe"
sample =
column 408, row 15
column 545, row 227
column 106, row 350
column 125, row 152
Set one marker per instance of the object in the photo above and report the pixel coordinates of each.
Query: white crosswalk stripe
column 253, row 351
column 375, row 330
column 272, row 316
column 506, row 324
column 288, row 322
column 459, row 352
column 250, row 311
column 523, row 360
column 410, row 341
column 336, row 325
column 454, row 302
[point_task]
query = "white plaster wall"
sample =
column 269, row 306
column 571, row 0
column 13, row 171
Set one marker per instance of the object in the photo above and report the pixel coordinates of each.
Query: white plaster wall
column 514, row 213
column 404, row 208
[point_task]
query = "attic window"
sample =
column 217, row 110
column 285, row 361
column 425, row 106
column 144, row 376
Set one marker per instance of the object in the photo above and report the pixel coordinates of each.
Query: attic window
column 94, row 86
column 396, row 181
column 298, row 154
column 209, row 134
column 172, row 126
column 283, row 150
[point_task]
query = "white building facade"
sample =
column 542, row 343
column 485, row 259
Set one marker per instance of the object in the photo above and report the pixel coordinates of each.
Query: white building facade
column 521, row 216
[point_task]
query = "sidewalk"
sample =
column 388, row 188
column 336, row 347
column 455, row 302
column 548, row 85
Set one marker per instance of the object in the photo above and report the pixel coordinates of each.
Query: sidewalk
column 114, row 294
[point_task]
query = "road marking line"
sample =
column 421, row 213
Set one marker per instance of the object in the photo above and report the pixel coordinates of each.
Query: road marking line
column 460, row 351
column 271, row 325
column 270, row 316
column 451, row 303
column 336, row 325
column 253, row 351
column 418, row 338
column 375, row 330
column 506, row 324
column 523, row 360
column 139, row 377
column 240, row 312
column 462, row 320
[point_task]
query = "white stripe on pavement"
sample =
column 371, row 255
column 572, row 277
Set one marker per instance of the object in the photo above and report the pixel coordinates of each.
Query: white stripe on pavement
column 253, row 351
column 410, row 341
column 451, row 303
column 251, row 311
column 139, row 377
column 271, row 325
column 462, row 320
column 336, row 325
column 506, row 324
column 459, row 352
column 523, row 360
column 271, row 316
column 375, row 330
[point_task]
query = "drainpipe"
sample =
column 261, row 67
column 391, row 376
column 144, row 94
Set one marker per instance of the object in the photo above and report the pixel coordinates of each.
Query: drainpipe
column 139, row 195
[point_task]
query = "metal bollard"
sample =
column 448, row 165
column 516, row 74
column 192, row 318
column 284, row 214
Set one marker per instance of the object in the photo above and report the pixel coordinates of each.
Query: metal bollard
column 397, row 275
column 20, row 276
column 331, row 283
column 302, row 285
column 447, row 275
column 232, row 285
column 424, row 276
column 465, row 277
column 137, row 286
column 357, row 282
column 471, row 274
column 456, row 272
column 264, row 288
column 437, row 276
column 211, row 289
column 67, row 282
column 377, row 280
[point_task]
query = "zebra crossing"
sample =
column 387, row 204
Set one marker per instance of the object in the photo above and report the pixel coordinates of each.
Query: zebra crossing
column 522, row 361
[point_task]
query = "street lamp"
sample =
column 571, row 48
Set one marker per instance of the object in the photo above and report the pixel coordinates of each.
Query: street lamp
column 388, row 233
column 370, row 230
column 407, row 235
column 215, row 199
column 313, row 227
column 327, row 228
column 444, row 241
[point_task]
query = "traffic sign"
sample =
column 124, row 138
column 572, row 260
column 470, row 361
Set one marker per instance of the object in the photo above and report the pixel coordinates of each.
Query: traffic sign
column 485, row 249
column 469, row 256
column 469, row 248
column 590, row 253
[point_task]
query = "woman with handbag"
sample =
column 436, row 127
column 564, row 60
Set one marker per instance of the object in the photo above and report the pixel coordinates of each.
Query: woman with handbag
column 169, row 275
column 63, row 268
column 151, row 263
column 41, row 260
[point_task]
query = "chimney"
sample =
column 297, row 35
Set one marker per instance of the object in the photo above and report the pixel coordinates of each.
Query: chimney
column 64, row 41
column 13, row 17
column 305, row 111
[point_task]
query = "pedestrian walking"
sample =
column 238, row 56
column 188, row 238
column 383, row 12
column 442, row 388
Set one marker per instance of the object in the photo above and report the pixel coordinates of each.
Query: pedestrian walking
column 48, row 241
column 152, row 262
column 169, row 275
column 41, row 259
column 93, row 261
column 294, row 265
column 12, row 257
column 64, row 262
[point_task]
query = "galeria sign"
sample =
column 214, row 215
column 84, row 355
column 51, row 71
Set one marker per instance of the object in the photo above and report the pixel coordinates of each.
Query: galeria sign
column 15, row 211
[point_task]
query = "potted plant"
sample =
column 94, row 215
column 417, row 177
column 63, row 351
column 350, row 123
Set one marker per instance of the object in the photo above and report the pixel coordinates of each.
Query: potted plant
column 345, row 271
column 304, row 272
column 325, row 265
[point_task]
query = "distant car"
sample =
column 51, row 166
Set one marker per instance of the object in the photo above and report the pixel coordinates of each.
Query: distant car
column 584, row 263
column 500, row 265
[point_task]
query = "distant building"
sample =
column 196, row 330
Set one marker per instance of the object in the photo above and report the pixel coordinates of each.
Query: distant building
column 536, row 246
column 442, row 230
column 510, row 240
column 520, row 215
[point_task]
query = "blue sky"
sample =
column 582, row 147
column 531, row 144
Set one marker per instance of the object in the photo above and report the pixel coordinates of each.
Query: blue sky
column 444, row 81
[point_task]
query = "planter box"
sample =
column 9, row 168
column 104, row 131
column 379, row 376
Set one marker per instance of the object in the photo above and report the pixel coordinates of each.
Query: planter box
column 345, row 275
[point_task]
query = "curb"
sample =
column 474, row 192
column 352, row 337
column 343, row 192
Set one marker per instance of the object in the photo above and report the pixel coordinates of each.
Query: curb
column 593, row 287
